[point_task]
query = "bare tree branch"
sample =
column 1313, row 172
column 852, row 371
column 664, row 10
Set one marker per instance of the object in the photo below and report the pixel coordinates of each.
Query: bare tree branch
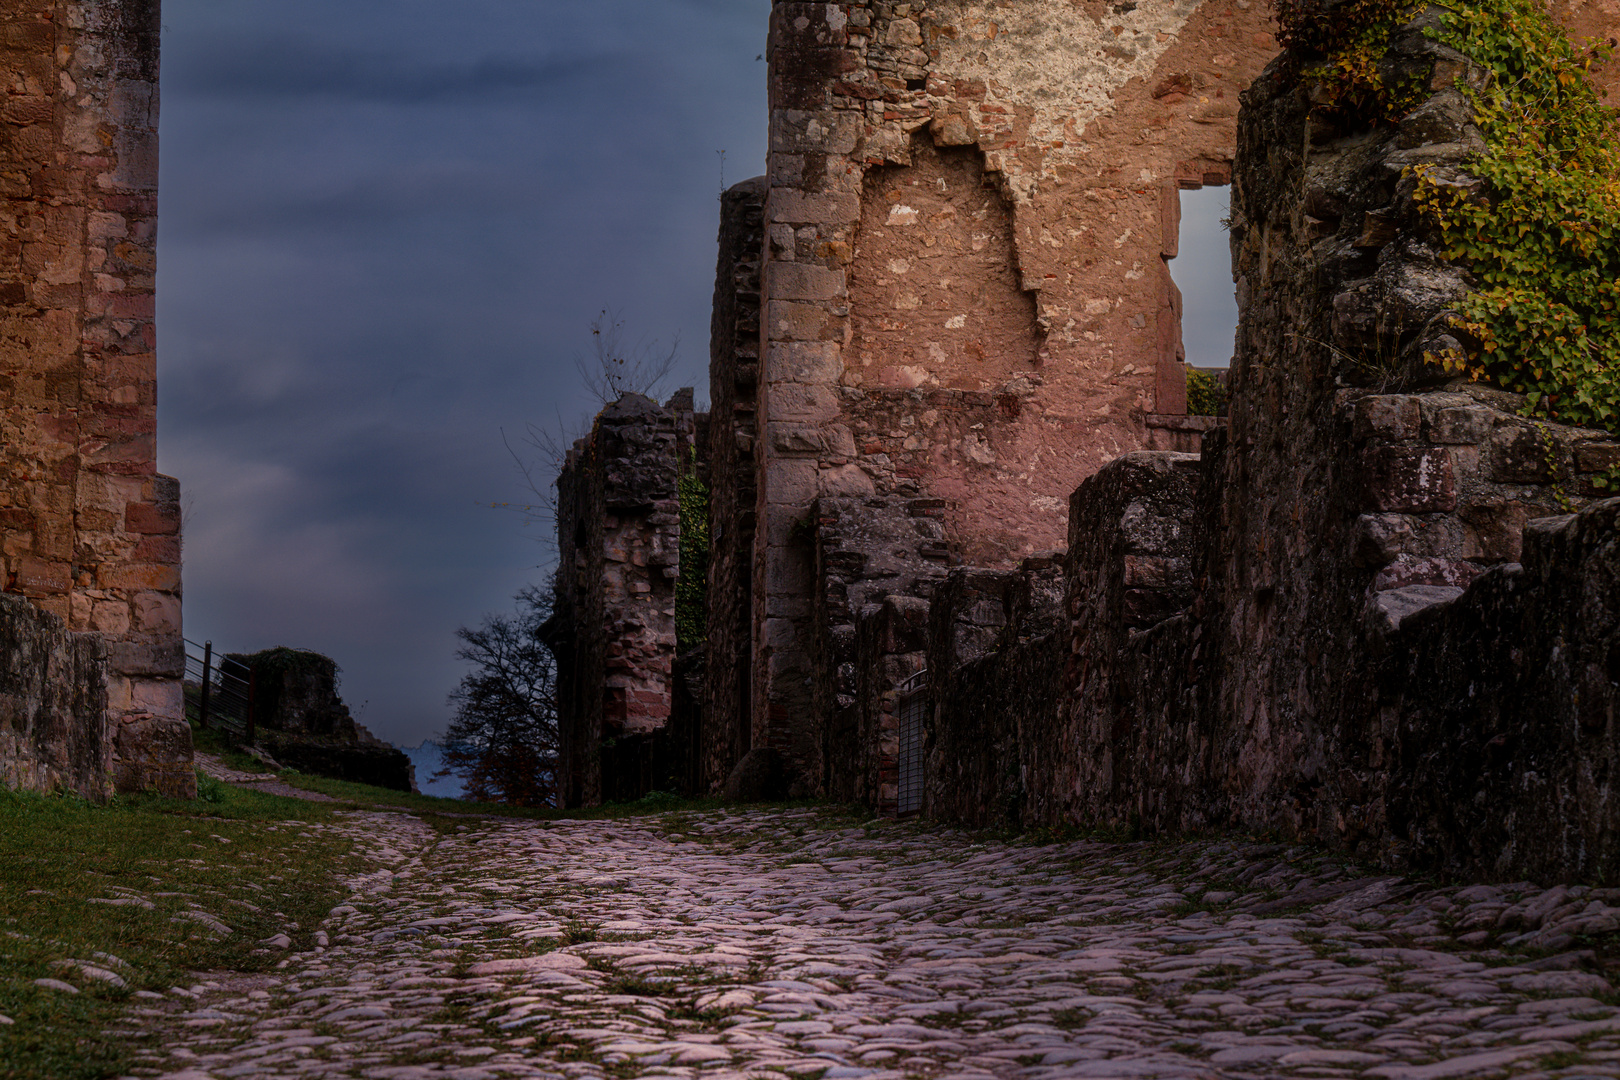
column 615, row 369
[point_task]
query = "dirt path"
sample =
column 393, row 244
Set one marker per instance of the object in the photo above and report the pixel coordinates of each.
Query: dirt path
column 794, row 944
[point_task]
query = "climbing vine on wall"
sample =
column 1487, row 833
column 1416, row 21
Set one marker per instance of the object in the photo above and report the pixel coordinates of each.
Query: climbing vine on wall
column 1544, row 239
column 1536, row 218
column 691, row 588
column 1341, row 45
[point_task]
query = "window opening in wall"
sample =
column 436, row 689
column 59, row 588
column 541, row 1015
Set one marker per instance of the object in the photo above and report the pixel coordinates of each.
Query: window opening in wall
column 1202, row 270
column 913, row 707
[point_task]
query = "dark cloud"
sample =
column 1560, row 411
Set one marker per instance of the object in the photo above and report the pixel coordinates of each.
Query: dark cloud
column 382, row 246
column 290, row 67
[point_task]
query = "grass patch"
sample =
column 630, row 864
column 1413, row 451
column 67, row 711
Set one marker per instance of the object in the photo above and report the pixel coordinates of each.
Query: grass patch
column 259, row 863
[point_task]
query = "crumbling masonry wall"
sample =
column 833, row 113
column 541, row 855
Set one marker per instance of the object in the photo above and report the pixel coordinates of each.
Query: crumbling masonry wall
column 733, row 435
column 613, row 627
column 966, row 297
column 1353, row 618
column 89, row 531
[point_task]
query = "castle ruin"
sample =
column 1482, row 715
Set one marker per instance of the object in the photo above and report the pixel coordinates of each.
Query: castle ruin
column 970, row 556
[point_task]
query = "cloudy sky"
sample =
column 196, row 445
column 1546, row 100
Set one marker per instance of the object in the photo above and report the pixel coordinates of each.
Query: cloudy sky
column 386, row 228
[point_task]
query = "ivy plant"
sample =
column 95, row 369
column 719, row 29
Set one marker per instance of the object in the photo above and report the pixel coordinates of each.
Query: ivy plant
column 1539, row 225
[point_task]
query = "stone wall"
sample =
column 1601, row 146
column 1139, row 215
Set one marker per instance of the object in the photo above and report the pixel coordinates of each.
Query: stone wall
column 88, row 530
column 613, row 627
column 53, row 704
column 971, row 207
column 733, row 433
column 1362, row 616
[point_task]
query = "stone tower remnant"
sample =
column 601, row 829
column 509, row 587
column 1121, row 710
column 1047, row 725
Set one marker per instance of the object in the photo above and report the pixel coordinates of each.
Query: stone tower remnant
column 89, row 530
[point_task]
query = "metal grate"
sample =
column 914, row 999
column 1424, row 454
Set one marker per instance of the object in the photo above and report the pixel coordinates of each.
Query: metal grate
column 913, row 707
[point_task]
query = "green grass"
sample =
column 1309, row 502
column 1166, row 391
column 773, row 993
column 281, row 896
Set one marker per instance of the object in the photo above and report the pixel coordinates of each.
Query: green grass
column 57, row 853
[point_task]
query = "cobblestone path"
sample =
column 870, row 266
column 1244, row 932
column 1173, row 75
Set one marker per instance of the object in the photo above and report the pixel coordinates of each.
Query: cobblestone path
column 799, row 944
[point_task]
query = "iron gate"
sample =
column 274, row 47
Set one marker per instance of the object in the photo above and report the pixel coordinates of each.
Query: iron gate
column 913, row 708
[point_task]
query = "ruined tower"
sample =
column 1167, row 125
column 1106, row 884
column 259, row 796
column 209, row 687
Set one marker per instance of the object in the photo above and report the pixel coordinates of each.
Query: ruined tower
column 89, row 530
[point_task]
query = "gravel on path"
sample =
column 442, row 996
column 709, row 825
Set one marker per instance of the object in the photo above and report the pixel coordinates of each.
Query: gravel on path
column 796, row 943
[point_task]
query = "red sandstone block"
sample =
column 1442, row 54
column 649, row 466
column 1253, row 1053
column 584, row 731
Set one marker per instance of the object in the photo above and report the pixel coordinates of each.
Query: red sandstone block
column 124, row 305
column 139, row 576
column 26, row 110
column 38, row 577
column 1409, row 479
column 158, row 549
column 159, row 518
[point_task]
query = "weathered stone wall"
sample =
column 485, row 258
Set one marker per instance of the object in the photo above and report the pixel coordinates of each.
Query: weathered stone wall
column 733, row 432
column 865, row 550
column 88, row 530
column 613, row 628
column 53, row 704
column 966, row 295
column 994, row 656
column 1352, row 618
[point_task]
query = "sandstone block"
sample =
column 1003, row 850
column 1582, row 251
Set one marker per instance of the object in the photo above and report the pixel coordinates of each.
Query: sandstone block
column 149, row 658
column 797, row 403
column 847, row 481
column 789, row 321
column 153, row 518
column 40, row 577
column 1396, row 417
column 791, row 482
column 1597, row 456
column 139, row 576
column 1409, row 479
column 803, row 281
column 1470, row 425
column 1522, row 454
column 826, row 440
column 813, row 208
column 808, row 362
column 154, row 753
column 157, row 613
column 1390, row 609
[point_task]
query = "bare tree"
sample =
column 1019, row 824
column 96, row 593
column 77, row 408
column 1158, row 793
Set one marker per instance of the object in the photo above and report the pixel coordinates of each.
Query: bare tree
column 611, row 370
column 503, row 739
column 614, row 368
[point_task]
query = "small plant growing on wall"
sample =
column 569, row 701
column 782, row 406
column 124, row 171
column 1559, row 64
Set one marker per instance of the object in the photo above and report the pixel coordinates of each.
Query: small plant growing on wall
column 692, row 587
column 1206, row 394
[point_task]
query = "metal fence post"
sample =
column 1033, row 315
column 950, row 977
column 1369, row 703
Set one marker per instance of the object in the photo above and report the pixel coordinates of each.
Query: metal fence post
column 208, row 677
column 253, row 682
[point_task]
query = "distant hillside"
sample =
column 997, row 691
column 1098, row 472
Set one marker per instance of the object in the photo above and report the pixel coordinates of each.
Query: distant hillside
column 429, row 759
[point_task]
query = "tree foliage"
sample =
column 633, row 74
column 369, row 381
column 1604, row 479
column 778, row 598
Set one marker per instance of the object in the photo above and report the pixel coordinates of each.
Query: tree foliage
column 502, row 740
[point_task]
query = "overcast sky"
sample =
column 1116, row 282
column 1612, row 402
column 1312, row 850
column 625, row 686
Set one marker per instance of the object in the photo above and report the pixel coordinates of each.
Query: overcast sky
column 385, row 230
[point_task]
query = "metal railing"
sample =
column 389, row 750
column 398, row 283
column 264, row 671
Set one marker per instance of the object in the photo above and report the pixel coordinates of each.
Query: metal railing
column 913, row 710
column 219, row 692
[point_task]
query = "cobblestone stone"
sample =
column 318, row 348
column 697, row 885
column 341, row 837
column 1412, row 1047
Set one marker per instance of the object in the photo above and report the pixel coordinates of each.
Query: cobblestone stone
column 796, row 943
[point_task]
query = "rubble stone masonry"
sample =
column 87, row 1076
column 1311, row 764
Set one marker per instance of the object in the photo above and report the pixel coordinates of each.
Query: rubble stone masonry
column 613, row 628
column 967, row 297
column 89, row 532
column 1364, row 615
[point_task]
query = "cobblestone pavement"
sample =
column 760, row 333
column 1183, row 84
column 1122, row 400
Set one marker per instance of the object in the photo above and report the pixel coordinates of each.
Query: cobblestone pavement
column 800, row 944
